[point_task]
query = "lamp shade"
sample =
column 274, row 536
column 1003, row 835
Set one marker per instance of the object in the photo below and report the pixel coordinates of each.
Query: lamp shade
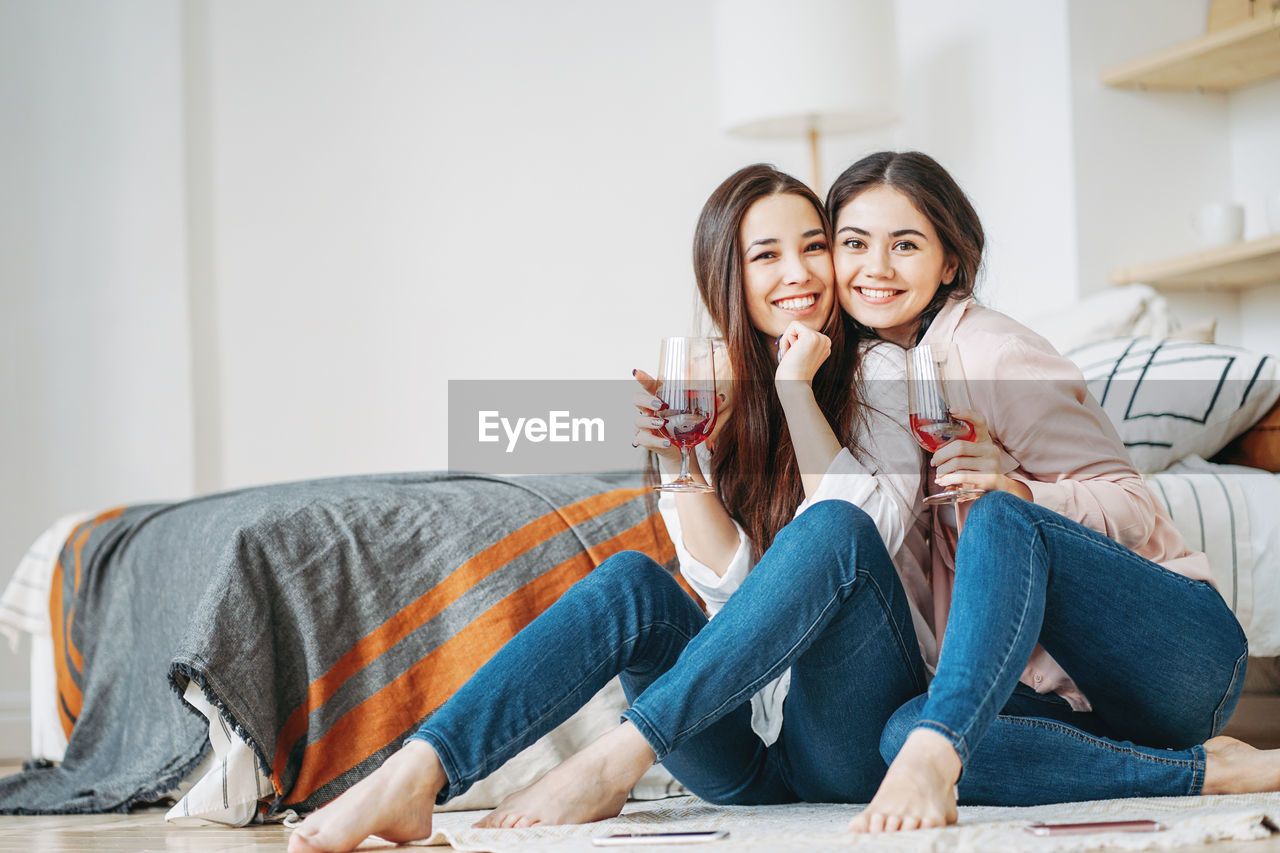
column 788, row 67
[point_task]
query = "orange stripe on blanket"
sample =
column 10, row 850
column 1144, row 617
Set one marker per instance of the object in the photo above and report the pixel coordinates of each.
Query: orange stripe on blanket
column 426, row 685
column 61, row 673
column 428, row 605
column 66, row 657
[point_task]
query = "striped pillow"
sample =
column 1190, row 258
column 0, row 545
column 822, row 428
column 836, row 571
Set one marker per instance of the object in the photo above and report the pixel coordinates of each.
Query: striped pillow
column 1169, row 399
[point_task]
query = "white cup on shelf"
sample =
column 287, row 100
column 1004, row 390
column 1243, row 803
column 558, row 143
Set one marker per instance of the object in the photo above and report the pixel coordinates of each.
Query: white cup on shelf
column 1218, row 223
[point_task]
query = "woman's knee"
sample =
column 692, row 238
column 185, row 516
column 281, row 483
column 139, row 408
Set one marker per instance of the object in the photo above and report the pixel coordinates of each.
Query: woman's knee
column 837, row 525
column 898, row 727
column 628, row 575
column 836, row 534
column 633, row 566
column 836, row 519
column 998, row 510
column 1000, row 517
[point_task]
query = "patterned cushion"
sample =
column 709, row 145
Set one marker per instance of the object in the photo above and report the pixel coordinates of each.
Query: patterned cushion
column 1169, row 399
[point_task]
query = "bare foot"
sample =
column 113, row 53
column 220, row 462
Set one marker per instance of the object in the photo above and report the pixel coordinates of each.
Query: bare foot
column 590, row 785
column 394, row 802
column 1233, row 767
column 919, row 791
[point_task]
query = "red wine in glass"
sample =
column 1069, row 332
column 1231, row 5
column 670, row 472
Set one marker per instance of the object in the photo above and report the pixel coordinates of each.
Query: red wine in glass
column 932, row 433
column 689, row 425
column 687, row 387
column 935, row 386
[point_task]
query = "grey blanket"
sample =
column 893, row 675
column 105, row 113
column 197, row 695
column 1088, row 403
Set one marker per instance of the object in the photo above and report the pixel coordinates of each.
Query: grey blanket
column 326, row 619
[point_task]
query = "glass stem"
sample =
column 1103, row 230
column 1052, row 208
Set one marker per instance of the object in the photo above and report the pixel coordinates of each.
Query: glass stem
column 684, row 466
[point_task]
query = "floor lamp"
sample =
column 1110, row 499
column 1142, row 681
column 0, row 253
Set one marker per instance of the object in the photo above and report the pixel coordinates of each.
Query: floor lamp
column 804, row 68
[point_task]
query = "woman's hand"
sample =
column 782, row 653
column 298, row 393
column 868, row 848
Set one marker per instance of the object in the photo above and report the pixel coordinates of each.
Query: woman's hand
column 975, row 462
column 801, row 351
column 648, row 426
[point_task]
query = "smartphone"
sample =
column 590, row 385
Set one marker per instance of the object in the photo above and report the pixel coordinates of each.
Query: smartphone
column 622, row 839
column 1098, row 826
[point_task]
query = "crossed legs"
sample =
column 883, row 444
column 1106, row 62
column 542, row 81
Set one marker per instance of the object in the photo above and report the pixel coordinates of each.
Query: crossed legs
column 1159, row 655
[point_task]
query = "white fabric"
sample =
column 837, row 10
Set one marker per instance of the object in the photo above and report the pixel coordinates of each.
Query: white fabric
column 229, row 791
column 48, row 740
column 24, row 607
column 1171, row 399
column 888, row 495
column 1117, row 312
column 806, row 827
column 1229, row 512
column 227, row 788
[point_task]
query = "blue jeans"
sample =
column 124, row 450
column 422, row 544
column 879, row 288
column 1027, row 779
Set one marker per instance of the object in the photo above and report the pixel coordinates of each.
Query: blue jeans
column 825, row 601
column 1160, row 656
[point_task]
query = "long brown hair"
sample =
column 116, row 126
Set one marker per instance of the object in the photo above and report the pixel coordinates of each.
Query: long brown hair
column 936, row 195
column 754, row 466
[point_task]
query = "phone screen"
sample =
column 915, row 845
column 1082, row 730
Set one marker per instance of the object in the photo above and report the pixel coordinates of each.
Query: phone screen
column 1096, row 826
column 623, row 839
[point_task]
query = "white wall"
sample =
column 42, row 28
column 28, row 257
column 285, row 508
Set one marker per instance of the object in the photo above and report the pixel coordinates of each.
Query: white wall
column 428, row 191
column 409, row 192
column 1255, row 176
column 97, row 397
column 986, row 90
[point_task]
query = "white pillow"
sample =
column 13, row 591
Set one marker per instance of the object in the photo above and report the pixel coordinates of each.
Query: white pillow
column 1169, row 399
column 1135, row 309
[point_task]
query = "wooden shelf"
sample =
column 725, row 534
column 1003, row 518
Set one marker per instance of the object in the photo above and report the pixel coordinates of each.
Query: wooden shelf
column 1219, row 61
column 1235, row 267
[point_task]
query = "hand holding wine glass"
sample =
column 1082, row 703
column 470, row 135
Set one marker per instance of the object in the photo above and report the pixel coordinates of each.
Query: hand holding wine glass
column 936, row 390
column 684, row 402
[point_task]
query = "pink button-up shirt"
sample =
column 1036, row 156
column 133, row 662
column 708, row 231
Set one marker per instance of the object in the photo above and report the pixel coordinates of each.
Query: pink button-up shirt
column 1057, row 440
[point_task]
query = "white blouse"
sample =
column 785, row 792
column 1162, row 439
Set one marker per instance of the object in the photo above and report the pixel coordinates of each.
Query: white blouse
column 888, row 492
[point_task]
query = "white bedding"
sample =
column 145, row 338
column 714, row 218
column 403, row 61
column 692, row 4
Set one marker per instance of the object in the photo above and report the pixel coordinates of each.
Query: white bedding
column 1229, row 512
column 24, row 608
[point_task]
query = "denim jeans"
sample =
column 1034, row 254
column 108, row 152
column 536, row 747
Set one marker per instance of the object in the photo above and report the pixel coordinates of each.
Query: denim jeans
column 824, row 600
column 1160, row 656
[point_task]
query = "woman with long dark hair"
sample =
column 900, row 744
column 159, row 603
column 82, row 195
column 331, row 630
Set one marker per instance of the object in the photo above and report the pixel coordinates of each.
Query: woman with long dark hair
column 792, row 554
column 1086, row 653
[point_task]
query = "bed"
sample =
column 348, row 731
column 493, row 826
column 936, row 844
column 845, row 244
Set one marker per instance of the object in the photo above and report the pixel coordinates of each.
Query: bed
column 257, row 651
column 295, row 633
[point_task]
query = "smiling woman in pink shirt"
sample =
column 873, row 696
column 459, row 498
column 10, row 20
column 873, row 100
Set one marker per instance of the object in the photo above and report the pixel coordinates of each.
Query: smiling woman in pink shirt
column 1085, row 652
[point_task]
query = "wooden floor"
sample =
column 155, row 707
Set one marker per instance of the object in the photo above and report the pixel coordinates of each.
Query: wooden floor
column 145, row 831
column 140, row 831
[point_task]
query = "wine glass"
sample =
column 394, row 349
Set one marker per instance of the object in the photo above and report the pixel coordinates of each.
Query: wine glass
column 687, row 389
column 935, row 386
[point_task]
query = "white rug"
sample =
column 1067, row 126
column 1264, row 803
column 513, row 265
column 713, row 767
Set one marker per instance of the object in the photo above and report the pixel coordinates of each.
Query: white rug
column 1190, row 820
